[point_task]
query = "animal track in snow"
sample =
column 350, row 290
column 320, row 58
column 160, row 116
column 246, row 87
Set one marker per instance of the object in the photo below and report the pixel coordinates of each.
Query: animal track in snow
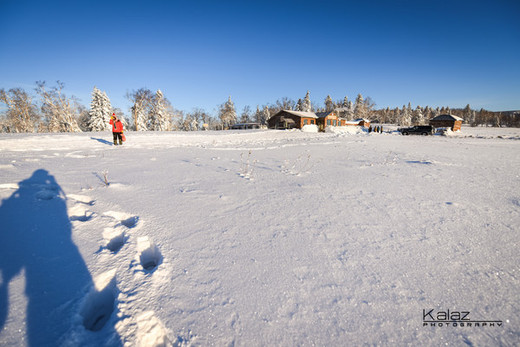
column 100, row 302
column 149, row 255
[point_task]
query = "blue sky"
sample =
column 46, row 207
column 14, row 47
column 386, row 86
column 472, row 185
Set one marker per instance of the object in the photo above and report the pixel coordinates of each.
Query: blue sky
column 436, row 53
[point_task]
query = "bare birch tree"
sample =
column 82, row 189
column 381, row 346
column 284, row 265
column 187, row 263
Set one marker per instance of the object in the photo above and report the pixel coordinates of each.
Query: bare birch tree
column 21, row 115
column 60, row 112
column 142, row 101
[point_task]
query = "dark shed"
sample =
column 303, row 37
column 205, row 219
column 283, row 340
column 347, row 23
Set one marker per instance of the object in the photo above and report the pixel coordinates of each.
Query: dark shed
column 287, row 119
column 446, row 121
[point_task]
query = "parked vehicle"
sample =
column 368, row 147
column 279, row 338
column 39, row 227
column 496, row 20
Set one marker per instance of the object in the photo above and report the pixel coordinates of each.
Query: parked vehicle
column 244, row 126
column 417, row 130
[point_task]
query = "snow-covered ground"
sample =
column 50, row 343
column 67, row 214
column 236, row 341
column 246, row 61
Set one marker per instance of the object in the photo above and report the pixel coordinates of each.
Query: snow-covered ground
column 260, row 238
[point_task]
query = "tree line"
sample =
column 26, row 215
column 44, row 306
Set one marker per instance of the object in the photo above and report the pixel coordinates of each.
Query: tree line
column 51, row 110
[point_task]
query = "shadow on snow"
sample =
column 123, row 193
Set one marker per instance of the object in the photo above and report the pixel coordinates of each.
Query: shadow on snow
column 36, row 238
column 103, row 141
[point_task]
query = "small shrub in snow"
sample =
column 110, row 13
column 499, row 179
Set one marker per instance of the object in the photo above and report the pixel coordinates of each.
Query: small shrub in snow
column 105, row 178
column 246, row 166
column 301, row 165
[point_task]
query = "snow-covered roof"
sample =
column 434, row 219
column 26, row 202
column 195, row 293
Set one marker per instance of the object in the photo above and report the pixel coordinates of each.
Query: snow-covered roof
column 323, row 114
column 357, row 121
column 446, row 117
column 302, row 114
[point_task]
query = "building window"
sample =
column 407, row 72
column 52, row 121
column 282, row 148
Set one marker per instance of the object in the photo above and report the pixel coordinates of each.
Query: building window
column 334, row 123
column 312, row 121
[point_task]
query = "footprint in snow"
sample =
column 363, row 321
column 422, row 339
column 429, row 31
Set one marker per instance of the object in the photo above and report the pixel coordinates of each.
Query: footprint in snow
column 100, row 302
column 148, row 254
column 80, row 213
column 151, row 331
column 127, row 220
column 115, row 238
column 82, row 199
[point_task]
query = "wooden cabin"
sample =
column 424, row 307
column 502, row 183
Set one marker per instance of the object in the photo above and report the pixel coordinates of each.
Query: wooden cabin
column 287, row 119
column 447, row 121
column 329, row 119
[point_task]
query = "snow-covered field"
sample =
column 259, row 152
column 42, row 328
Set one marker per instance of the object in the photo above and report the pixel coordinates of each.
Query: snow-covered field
column 278, row 238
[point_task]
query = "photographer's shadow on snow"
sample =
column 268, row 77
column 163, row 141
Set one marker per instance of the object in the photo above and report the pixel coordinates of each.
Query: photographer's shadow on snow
column 35, row 241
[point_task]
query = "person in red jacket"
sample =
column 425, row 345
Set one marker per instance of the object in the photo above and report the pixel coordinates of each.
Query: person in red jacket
column 117, row 129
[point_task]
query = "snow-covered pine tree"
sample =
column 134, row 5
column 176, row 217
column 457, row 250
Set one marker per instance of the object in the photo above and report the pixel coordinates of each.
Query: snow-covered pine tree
column 350, row 110
column 345, row 102
column 266, row 115
column 107, row 107
column 227, row 114
column 469, row 115
column 394, row 117
column 158, row 118
column 306, row 103
column 298, row 106
column 329, row 104
column 386, row 115
column 473, row 118
column 427, row 113
column 405, row 119
column 360, row 109
column 418, row 116
column 95, row 112
column 100, row 111
column 258, row 115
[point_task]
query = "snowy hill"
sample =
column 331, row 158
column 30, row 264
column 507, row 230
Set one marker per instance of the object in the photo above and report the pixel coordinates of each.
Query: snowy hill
column 259, row 238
